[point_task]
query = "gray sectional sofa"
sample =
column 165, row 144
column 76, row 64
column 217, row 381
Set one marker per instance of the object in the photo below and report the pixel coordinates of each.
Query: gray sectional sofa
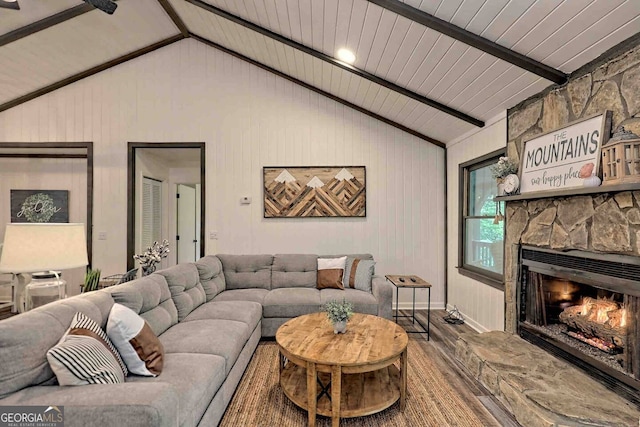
column 209, row 316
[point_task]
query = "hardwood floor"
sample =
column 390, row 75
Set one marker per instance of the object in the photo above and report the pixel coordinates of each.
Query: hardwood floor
column 5, row 313
column 442, row 346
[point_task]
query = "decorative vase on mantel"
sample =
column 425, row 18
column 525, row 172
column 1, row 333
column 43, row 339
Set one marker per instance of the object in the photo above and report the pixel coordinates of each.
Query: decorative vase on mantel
column 501, row 191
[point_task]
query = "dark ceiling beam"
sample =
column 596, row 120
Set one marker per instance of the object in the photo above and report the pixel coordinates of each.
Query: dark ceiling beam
column 174, row 17
column 90, row 72
column 473, row 40
column 45, row 23
column 329, row 59
column 317, row 90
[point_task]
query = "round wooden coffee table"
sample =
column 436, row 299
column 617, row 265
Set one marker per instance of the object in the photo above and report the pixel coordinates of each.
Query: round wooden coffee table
column 344, row 375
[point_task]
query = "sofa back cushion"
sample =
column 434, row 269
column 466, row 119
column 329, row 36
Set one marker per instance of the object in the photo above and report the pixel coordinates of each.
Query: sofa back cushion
column 150, row 297
column 211, row 276
column 25, row 339
column 294, row 271
column 184, row 285
column 247, row 271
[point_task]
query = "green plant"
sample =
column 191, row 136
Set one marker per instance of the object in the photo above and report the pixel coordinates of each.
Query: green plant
column 338, row 311
column 91, row 280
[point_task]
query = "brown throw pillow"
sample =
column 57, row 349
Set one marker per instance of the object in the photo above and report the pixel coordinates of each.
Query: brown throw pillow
column 330, row 271
column 140, row 348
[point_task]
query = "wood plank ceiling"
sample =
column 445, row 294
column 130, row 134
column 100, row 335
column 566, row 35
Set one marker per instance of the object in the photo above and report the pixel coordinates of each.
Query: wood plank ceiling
column 409, row 70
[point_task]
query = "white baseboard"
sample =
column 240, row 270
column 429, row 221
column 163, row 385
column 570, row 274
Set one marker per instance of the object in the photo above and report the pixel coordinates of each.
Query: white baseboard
column 469, row 321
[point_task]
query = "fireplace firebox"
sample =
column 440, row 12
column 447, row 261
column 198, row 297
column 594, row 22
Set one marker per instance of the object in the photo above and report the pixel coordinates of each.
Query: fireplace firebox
column 584, row 308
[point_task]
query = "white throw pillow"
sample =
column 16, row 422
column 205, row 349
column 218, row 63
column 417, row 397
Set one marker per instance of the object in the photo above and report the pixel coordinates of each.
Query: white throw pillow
column 138, row 345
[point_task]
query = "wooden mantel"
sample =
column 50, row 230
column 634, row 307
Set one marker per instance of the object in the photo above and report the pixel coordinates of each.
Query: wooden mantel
column 571, row 192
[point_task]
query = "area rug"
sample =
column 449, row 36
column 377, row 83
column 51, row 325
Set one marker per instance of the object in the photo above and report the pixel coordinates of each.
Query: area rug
column 431, row 400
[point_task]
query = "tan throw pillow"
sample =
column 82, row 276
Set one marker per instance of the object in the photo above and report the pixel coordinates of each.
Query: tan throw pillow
column 330, row 271
column 140, row 348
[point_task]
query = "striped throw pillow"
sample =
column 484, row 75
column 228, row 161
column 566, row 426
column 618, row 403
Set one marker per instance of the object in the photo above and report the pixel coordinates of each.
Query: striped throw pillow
column 358, row 274
column 85, row 355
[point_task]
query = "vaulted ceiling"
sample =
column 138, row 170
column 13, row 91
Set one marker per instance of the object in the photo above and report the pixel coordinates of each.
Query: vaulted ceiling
column 435, row 68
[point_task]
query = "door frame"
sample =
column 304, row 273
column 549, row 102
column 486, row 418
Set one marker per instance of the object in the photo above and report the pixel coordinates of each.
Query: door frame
column 131, row 190
column 56, row 150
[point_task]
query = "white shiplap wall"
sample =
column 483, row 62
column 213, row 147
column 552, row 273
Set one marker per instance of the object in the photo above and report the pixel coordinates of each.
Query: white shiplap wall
column 248, row 119
column 481, row 305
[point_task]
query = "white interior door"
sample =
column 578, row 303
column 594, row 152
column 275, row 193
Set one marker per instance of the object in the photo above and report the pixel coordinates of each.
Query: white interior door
column 187, row 237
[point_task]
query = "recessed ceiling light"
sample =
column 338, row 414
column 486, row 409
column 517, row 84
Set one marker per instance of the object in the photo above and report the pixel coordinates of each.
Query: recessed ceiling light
column 345, row 55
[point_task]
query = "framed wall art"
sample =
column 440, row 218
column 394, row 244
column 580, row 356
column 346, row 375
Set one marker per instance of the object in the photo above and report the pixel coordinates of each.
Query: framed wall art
column 39, row 206
column 564, row 157
column 296, row 191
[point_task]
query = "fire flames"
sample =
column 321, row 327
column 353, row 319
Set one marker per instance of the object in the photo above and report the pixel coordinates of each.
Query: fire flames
column 604, row 312
column 599, row 322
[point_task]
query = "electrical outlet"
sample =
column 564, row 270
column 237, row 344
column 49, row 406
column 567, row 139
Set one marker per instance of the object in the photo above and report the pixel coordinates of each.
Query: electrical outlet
column 102, row 235
column 213, row 235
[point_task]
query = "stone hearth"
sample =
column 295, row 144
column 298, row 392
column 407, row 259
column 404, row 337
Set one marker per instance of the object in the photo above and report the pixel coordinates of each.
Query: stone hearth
column 539, row 388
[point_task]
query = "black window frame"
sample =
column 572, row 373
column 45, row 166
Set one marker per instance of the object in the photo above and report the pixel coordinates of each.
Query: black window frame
column 487, row 277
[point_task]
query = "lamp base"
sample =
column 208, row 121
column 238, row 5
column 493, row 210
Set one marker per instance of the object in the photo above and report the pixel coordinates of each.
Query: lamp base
column 45, row 287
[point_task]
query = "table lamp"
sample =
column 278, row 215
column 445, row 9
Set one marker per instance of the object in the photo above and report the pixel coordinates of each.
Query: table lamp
column 41, row 247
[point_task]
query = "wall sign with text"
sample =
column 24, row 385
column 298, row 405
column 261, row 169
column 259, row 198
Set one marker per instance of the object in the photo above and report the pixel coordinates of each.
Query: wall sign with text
column 554, row 161
column 39, row 206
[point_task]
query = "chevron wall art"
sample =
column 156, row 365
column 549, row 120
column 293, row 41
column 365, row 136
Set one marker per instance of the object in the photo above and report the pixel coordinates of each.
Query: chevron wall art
column 294, row 192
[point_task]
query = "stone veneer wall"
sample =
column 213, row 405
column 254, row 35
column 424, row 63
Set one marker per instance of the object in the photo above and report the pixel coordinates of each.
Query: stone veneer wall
column 605, row 222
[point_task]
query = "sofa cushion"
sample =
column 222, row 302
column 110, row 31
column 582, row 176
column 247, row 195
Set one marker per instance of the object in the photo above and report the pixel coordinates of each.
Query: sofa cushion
column 195, row 378
column 219, row 337
column 25, row 339
column 247, row 271
column 294, row 271
column 363, row 302
column 127, row 404
column 211, row 276
column 248, row 312
column 291, row 302
column 185, row 287
column 150, row 297
column 255, row 295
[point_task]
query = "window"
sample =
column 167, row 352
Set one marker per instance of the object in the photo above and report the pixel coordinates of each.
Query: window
column 481, row 231
column 151, row 212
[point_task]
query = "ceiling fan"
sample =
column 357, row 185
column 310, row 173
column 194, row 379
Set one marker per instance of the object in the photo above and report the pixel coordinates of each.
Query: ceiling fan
column 107, row 6
column 10, row 4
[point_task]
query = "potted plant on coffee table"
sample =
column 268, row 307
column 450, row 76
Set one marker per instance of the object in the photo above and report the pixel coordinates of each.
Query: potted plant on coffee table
column 338, row 314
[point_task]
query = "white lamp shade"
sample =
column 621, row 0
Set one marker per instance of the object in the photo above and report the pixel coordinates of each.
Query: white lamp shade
column 29, row 248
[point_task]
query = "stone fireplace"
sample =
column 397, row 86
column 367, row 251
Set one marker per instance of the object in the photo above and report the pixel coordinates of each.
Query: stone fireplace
column 571, row 272
column 583, row 308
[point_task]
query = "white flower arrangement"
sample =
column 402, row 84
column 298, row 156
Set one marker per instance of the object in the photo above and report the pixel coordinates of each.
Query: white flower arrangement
column 152, row 256
column 504, row 167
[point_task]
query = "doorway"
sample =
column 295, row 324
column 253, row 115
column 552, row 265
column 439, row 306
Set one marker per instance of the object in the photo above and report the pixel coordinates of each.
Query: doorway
column 163, row 167
column 187, row 224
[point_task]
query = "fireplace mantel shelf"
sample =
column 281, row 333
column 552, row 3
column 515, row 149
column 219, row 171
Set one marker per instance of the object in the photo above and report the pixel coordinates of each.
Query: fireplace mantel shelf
column 571, row 192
